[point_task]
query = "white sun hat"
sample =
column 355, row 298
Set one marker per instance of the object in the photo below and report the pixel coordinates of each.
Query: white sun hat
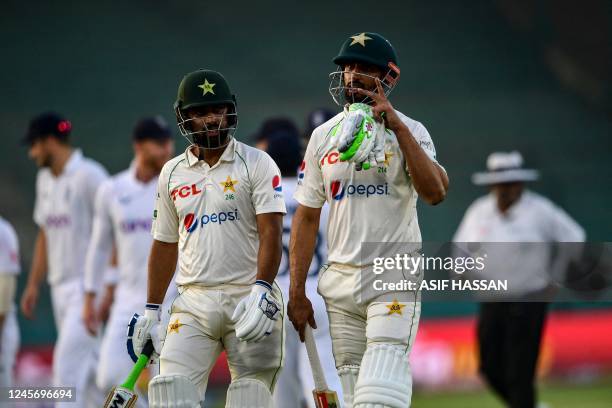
column 504, row 167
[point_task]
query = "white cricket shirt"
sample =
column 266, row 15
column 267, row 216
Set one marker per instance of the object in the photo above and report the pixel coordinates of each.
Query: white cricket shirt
column 210, row 212
column 64, row 210
column 9, row 249
column 532, row 219
column 375, row 205
column 123, row 210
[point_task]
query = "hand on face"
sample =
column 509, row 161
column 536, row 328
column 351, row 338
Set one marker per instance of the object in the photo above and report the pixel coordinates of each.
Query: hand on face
column 381, row 107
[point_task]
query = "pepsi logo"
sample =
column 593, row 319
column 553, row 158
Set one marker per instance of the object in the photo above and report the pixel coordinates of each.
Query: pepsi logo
column 190, row 222
column 276, row 183
column 301, row 170
column 337, row 190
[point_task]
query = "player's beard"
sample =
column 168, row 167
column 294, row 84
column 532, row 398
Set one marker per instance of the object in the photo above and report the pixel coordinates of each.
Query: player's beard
column 355, row 97
column 45, row 161
column 211, row 139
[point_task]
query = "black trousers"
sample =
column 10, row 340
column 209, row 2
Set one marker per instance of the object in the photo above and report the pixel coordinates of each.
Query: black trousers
column 509, row 337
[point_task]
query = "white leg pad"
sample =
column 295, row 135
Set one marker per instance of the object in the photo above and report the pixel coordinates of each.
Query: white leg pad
column 173, row 391
column 348, row 377
column 248, row 393
column 384, row 379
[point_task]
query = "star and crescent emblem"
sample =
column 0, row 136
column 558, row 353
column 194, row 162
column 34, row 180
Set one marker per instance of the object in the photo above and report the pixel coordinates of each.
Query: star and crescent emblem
column 359, row 39
column 207, row 87
column 174, row 326
column 395, row 307
column 229, row 184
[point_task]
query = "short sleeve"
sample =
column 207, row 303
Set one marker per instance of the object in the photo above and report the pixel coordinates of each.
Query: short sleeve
column 310, row 190
column 423, row 138
column 165, row 218
column 267, row 188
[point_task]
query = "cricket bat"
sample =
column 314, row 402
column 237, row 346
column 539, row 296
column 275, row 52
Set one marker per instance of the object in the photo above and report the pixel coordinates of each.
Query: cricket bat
column 323, row 397
column 124, row 396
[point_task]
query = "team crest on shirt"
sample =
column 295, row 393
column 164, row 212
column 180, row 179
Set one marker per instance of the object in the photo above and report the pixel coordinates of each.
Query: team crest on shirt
column 277, row 186
column 229, row 188
column 174, row 326
column 386, row 163
column 395, row 307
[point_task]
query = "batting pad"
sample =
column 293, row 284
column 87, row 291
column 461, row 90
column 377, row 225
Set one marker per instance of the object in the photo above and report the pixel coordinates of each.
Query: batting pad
column 173, row 390
column 384, row 378
column 248, row 393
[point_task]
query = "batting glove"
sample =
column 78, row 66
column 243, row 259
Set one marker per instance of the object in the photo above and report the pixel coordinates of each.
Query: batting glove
column 143, row 328
column 357, row 137
column 256, row 313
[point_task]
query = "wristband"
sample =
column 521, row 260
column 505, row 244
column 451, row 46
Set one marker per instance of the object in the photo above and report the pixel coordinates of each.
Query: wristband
column 264, row 284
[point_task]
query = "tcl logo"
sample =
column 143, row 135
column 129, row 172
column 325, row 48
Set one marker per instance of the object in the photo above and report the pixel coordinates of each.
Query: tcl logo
column 330, row 158
column 184, row 192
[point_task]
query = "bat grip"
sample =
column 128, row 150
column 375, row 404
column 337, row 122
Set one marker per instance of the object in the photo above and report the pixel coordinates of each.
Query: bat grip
column 315, row 363
column 141, row 363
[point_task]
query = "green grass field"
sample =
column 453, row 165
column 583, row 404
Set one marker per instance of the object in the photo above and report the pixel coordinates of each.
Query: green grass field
column 559, row 395
column 555, row 395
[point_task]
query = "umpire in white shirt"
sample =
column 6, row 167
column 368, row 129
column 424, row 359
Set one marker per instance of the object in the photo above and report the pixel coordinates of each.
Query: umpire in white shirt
column 509, row 333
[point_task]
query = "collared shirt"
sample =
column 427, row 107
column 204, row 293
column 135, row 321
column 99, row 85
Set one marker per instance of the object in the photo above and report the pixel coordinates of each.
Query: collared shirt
column 64, row 210
column 532, row 219
column 211, row 212
column 123, row 211
column 375, row 205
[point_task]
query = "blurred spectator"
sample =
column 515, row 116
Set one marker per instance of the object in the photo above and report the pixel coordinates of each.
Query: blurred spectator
column 315, row 119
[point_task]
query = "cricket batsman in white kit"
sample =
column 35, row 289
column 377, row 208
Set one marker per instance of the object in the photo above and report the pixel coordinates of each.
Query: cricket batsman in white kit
column 123, row 214
column 9, row 330
column 280, row 138
column 372, row 197
column 66, row 185
column 219, row 210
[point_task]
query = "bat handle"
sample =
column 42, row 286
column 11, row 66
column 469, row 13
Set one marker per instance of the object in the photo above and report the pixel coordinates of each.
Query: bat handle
column 315, row 363
column 141, row 363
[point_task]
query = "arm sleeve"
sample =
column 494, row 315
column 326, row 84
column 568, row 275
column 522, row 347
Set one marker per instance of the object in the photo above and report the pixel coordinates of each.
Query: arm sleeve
column 310, row 190
column 39, row 217
column 165, row 218
column 101, row 242
column 267, row 189
column 423, row 138
column 564, row 228
column 93, row 181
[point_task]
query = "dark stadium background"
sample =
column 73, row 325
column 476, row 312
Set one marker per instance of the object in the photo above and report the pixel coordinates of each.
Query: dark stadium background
column 481, row 75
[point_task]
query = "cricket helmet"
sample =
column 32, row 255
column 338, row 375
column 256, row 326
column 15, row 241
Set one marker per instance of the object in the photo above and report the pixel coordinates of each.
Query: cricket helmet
column 366, row 48
column 203, row 88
